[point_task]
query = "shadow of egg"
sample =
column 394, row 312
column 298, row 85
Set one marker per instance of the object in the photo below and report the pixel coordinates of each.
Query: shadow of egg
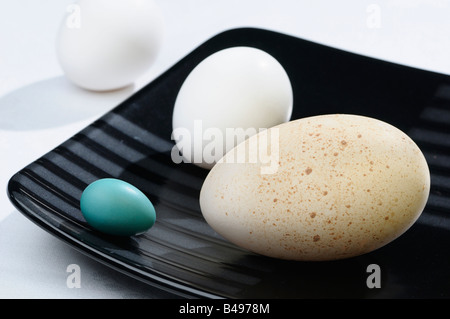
column 55, row 102
column 312, row 280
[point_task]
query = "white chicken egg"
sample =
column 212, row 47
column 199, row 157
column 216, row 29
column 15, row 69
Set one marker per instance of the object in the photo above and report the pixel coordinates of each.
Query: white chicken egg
column 228, row 97
column 342, row 186
column 107, row 44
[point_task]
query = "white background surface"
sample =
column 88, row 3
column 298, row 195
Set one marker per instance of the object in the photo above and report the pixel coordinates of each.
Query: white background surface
column 39, row 109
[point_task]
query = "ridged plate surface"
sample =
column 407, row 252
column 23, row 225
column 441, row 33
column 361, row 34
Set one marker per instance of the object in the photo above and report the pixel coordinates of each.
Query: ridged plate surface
column 181, row 253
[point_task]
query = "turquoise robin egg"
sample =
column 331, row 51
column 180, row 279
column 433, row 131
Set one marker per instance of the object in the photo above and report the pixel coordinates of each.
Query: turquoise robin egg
column 115, row 207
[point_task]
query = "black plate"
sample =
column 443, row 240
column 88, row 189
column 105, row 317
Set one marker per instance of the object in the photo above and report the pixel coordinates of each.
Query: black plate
column 181, row 253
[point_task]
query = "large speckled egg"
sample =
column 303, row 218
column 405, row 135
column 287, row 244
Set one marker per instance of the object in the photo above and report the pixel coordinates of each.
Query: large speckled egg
column 320, row 188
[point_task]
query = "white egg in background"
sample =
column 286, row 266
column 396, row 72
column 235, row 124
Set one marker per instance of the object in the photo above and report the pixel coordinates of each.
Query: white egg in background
column 107, row 44
column 226, row 98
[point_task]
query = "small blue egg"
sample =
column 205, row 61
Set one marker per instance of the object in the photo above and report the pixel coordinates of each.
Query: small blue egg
column 115, row 207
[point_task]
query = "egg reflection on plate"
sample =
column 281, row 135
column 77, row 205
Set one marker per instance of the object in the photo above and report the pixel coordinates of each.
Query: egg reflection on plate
column 344, row 185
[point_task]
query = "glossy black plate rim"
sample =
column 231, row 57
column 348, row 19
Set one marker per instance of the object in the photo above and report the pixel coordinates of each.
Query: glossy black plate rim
column 146, row 276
